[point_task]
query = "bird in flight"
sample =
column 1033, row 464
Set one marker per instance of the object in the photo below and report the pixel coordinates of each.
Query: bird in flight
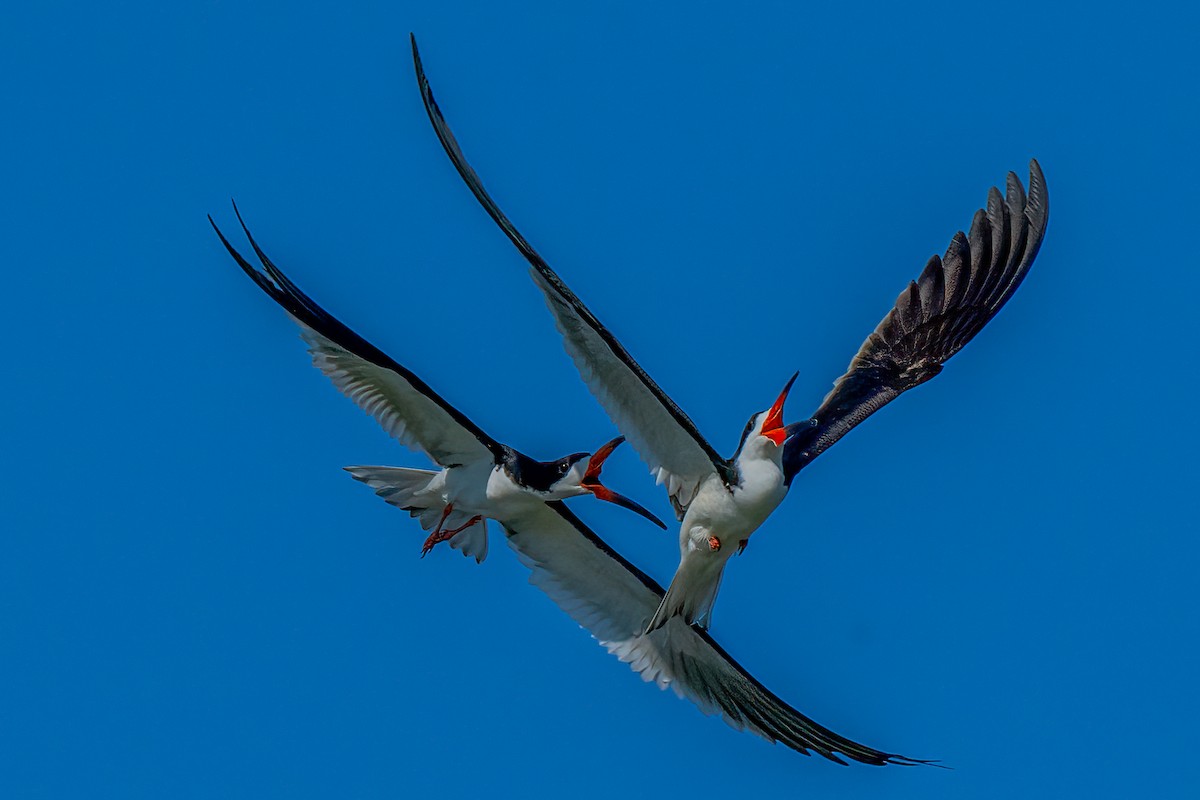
column 720, row 501
column 480, row 478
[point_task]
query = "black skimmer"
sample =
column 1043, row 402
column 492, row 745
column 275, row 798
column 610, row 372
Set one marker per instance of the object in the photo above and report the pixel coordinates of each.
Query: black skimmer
column 483, row 479
column 721, row 501
column 480, row 478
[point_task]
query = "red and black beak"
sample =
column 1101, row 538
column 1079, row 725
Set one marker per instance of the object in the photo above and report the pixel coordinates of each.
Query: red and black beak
column 591, row 482
column 773, row 427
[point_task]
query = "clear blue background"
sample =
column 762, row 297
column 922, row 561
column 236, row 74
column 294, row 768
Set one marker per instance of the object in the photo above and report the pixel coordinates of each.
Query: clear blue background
column 998, row 570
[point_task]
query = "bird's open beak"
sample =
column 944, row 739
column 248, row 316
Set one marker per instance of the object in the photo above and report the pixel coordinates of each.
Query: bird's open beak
column 773, row 427
column 591, row 482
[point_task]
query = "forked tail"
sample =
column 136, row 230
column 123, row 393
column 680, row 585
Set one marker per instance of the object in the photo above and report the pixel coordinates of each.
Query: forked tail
column 692, row 592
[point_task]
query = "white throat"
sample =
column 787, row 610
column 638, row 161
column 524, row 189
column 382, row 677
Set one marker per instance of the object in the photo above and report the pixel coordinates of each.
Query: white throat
column 758, row 448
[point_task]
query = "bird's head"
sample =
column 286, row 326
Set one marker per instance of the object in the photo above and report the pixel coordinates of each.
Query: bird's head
column 765, row 433
column 579, row 474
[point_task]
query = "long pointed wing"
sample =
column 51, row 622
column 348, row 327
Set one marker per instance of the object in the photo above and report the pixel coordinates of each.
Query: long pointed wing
column 934, row 317
column 612, row 599
column 400, row 402
column 666, row 439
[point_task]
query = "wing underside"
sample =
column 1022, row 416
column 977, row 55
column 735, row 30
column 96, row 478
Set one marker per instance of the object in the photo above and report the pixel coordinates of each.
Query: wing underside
column 663, row 435
column 402, row 403
column 612, row 599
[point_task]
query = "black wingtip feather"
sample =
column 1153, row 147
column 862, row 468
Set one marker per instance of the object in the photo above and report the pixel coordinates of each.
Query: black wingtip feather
column 261, row 280
column 421, row 80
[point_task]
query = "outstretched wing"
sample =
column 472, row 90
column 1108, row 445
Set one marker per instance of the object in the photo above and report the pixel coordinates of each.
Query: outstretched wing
column 666, row 439
column 612, row 599
column 934, row 317
column 398, row 400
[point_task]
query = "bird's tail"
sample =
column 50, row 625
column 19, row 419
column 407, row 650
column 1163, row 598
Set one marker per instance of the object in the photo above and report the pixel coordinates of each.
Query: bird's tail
column 421, row 492
column 692, row 592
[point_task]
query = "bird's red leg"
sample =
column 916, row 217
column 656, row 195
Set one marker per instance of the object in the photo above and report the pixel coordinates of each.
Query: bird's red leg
column 440, row 535
column 472, row 521
column 436, row 536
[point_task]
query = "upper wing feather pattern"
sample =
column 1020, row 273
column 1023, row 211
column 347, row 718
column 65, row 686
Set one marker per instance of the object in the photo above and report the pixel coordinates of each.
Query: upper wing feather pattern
column 934, row 317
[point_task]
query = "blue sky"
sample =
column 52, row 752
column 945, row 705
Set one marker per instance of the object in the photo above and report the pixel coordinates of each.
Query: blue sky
column 997, row 571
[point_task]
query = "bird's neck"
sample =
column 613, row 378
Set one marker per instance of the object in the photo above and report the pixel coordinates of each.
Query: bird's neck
column 760, row 468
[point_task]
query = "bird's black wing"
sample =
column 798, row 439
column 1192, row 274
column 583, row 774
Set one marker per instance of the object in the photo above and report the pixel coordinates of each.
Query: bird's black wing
column 934, row 317
column 402, row 403
column 663, row 435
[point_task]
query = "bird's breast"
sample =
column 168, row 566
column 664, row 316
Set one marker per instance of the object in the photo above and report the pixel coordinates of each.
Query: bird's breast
column 733, row 514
